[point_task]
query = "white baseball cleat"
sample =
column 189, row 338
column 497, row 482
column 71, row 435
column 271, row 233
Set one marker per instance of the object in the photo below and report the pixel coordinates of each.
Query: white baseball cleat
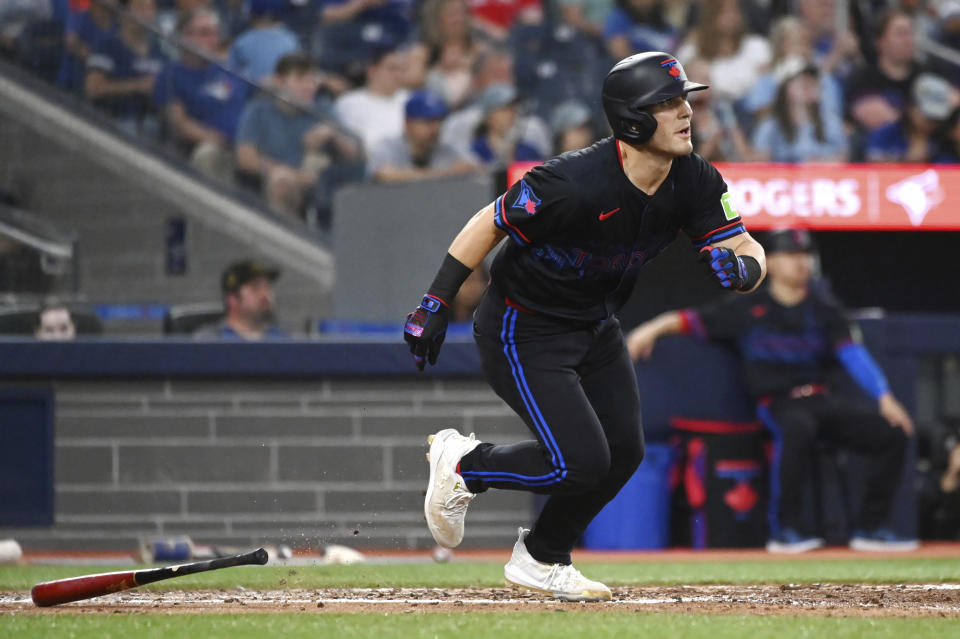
column 882, row 540
column 791, row 542
column 563, row 582
column 445, row 505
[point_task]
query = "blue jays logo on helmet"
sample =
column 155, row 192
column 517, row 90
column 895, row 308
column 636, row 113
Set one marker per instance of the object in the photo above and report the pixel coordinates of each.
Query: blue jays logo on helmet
column 673, row 68
column 527, row 200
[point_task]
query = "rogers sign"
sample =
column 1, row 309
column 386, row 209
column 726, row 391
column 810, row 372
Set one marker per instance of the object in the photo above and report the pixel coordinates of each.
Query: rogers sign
column 845, row 196
column 862, row 197
column 781, row 198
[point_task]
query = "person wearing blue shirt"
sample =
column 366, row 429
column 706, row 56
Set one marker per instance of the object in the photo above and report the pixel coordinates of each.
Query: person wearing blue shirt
column 916, row 136
column 297, row 154
column 201, row 100
column 255, row 52
column 394, row 16
column 122, row 69
column 248, row 304
column 83, row 32
column 800, row 129
column 497, row 140
column 638, row 25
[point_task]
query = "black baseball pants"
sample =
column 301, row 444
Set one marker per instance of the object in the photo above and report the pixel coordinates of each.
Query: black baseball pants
column 575, row 387
column 796, row 425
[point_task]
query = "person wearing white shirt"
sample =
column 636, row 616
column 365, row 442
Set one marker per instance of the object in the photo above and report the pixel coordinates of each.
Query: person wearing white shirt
column 374, row 112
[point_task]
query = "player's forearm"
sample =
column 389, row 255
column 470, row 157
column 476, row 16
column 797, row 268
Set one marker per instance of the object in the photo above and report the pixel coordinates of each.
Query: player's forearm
column 744, row 245
column 669, row 323
column 477, row 238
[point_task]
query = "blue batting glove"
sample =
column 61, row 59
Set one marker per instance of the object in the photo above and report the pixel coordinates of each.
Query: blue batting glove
column 726, row 267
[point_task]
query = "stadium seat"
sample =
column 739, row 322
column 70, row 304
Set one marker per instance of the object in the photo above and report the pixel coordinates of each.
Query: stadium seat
column 21, row 320
column 18, row 320
column 185, row 319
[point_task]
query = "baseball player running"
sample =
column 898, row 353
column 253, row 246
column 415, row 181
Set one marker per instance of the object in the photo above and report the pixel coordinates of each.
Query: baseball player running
column 580, row 226
column 788, row 335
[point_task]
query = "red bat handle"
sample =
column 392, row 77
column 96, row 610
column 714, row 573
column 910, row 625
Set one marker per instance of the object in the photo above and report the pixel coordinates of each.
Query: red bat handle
column 51, row 593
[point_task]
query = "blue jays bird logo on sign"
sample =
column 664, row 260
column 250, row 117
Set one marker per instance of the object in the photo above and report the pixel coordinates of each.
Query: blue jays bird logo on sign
column 527, row 200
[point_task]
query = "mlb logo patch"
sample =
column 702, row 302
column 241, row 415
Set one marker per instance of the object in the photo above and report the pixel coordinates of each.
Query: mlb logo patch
column 527, row 200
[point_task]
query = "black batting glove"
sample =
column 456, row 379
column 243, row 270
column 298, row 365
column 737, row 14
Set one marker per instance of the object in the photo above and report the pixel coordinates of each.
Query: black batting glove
column 426, row 329
column 727, row 268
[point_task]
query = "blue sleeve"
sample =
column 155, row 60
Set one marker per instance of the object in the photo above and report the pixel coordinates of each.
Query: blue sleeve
column 235, row 58
column 863, row 369
column 73, row 21
column 836, row 137
column 617, row 24
column 161, row 88
column 763, row 135
column 247, row 129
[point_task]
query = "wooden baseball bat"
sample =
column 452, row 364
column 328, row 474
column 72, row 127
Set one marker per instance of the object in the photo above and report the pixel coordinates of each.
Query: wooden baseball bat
column 51, row 593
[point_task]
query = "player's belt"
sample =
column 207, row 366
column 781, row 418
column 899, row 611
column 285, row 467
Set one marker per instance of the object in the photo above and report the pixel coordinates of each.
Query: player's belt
column 807, row 390
column 509, row 302
column 797, row 392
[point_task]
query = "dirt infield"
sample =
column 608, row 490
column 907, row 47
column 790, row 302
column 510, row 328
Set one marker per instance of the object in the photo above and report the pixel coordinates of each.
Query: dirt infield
column 833, row 600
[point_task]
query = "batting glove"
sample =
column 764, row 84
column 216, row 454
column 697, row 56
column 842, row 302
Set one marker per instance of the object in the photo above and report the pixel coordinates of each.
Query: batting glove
column 425, row 330
column 728, row 269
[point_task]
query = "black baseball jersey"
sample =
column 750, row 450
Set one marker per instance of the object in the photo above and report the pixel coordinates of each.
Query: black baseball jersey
column 780, row 347
column 580, row 230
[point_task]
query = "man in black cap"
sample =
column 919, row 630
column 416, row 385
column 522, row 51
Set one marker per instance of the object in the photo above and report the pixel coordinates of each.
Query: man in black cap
column 248, row 302
column 576, row 231
column 788, row 335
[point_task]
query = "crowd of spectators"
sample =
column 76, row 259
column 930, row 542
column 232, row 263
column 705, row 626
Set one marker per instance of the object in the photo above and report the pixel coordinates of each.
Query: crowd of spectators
column 293, row 98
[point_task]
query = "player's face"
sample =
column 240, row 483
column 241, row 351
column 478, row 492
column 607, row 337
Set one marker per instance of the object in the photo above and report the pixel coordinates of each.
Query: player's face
column 794, row 268
column 673, row 134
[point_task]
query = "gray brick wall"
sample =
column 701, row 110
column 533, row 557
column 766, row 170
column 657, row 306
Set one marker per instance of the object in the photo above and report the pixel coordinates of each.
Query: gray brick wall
column 304, row 462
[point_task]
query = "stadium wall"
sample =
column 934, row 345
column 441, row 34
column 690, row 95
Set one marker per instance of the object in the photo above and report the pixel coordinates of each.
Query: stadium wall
column 302, row 461
column 310, row 443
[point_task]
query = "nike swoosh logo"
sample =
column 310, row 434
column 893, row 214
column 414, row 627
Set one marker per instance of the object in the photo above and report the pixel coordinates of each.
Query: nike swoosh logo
column 604, row 216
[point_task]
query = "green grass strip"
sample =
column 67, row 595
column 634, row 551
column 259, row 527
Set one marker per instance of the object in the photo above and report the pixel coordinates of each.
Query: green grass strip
column 453, row 575
column 533, row 625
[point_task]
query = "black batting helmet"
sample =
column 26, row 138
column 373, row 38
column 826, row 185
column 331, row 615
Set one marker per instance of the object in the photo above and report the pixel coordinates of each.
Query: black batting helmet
column 788, row 240
column 640, row 81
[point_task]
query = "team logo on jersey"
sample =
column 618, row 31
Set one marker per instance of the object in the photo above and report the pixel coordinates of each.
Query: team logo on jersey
column 527, row 200
column 672, row 67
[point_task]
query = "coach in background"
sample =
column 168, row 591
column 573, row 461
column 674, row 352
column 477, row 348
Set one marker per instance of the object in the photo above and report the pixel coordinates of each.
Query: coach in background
column 248, row 304
column 787, row 335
